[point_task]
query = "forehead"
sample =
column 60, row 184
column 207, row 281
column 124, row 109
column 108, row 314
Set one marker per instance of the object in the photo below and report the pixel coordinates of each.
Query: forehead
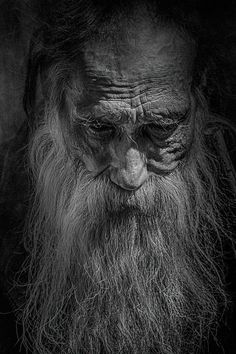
column 142, row 63
column 141, row 53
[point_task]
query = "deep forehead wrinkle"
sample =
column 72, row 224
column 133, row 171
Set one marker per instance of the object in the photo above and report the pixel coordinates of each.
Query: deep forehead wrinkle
column 167, row 81
column 121, row 111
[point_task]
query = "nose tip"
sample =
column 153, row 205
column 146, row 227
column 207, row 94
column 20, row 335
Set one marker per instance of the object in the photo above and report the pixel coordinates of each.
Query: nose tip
column 128, row 182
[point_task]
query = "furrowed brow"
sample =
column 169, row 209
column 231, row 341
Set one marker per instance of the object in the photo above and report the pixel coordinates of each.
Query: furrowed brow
column 104, row 115
column 86, row 118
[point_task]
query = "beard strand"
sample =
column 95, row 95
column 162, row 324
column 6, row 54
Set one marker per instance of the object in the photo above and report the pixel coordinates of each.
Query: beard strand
column 126, row 272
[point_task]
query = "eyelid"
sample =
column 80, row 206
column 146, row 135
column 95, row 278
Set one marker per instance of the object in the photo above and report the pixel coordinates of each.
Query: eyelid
column 103, row 122
column 155, row 130
column 170, row 116
column 102, row 131
column 161, row 128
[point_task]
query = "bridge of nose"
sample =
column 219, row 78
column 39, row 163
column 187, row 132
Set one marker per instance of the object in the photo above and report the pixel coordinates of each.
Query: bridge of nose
column 132, row 161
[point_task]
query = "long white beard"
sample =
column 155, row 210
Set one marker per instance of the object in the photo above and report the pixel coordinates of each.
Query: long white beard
column 111, row 271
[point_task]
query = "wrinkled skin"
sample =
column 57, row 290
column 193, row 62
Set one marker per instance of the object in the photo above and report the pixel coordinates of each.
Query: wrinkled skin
column 137, row 96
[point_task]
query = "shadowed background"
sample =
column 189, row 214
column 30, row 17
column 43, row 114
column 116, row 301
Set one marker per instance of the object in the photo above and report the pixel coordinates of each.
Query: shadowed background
column 18, row 19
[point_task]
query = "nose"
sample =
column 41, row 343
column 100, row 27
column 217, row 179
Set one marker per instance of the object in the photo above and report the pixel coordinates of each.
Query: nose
column 131, row 172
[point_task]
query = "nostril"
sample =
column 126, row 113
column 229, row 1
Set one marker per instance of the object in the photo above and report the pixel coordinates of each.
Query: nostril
column 125, row 186
column 128, row 181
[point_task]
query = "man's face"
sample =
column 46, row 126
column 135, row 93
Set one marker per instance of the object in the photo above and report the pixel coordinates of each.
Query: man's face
column 136, row 96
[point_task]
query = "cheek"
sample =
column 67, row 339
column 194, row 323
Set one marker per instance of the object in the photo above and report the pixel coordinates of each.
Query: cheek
column 97, row 161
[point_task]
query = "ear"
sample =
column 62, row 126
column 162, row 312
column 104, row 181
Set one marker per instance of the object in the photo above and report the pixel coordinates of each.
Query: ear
column 203, row 82
column 205, row 79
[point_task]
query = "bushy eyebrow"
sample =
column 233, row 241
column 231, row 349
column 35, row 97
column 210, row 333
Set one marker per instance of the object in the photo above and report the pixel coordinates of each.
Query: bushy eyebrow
column 168, row 116
column 91, row 118
column 118, row 117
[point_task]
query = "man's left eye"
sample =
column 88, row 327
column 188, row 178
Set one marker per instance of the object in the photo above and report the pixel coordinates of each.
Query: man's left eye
column 159, row 131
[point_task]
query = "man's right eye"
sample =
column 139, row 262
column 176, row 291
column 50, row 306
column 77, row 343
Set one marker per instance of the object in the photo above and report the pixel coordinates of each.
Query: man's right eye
column 102, row 129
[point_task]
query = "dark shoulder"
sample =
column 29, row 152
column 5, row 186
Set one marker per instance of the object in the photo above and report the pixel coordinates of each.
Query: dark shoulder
column 13, row 176
column 14, row 192
column 14, row 197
